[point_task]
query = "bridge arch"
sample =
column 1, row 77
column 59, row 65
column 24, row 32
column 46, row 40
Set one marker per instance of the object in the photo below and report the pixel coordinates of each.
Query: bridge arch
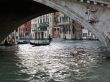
column 75, row 16
column 18, row 12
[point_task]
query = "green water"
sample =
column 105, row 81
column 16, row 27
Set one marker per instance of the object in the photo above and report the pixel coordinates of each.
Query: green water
column 54, row 63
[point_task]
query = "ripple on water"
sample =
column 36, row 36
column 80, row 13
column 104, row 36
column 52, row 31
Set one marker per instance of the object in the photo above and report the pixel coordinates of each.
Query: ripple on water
column 53, row 63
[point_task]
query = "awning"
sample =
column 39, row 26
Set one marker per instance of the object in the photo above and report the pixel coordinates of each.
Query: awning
column 43, row 26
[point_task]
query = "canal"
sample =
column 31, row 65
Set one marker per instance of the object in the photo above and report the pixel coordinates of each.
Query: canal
column 54, row 63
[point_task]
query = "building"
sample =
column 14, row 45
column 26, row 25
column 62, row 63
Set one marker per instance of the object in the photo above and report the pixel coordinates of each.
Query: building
column 42, row 27
column 55, row 27
column 88, row 35
column 68, row 28
column 24, row 31
column 77, row 30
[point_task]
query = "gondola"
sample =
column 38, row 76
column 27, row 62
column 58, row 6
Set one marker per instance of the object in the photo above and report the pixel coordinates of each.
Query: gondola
column 40, row 42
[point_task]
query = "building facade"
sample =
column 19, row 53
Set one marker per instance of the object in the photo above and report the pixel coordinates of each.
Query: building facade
column 41, row 27
column 68, row 29
column 24, row 31
column 87, row 35
column 55, row 27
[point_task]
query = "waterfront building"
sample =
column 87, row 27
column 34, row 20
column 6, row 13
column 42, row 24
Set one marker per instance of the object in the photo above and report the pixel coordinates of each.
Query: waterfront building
column 69, row 29
column 56, row 27
column 77, row 30
column 88, row 35
column 66, row 28
column 23, row 32
column 41, row 27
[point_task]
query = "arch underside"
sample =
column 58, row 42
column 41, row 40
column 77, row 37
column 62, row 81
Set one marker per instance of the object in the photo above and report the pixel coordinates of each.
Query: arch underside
column 75, row 16
column 16, row 12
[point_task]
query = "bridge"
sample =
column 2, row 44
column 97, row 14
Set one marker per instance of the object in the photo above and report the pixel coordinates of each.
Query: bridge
column 92, row 14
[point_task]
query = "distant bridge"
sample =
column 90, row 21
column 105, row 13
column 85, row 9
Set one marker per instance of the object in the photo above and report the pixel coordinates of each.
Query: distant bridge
column 92, row 14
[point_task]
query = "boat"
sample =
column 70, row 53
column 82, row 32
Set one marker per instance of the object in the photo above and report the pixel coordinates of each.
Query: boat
column 22, row 42
column 40, row 42
column 7, row 43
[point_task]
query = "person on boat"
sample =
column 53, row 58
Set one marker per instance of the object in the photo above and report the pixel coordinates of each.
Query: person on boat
column 50, row 38
column 6, row 43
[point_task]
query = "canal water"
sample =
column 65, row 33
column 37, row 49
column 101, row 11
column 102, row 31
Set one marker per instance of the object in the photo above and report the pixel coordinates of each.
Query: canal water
column 56, row 62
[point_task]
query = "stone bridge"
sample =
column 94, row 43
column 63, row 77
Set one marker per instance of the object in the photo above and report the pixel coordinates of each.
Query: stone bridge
column 92, row 14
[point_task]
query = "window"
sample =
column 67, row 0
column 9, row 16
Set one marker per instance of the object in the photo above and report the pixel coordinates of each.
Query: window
column 45, row 34
column 58, row 29
column 36, row 25
column 84, row 34
column 40, row 20
column 54, row 29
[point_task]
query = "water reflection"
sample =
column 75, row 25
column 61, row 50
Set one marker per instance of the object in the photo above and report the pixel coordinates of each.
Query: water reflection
column 54, row 63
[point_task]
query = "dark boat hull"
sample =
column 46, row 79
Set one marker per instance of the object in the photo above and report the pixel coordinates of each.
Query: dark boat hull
column 38, row 44
column 23, row 42
column 7, row 44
